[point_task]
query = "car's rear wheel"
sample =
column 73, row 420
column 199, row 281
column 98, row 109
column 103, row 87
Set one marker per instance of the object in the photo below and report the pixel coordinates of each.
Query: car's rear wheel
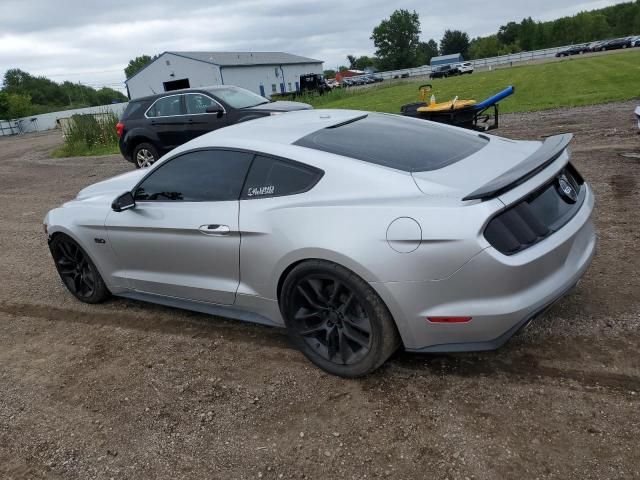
column 145, row 155
column 77, row 271
column 336, row 319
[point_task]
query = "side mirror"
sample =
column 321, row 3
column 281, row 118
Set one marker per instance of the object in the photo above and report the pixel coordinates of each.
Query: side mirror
column 217, row 109
column 123, row 202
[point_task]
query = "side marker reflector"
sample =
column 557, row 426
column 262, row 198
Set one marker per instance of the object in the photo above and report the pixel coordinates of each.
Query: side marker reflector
column 449, row 319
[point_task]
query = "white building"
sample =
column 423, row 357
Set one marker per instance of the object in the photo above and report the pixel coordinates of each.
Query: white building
column 264, row 73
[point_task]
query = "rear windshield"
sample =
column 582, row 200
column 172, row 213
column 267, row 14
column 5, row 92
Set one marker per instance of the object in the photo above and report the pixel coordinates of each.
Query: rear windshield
column 396, row 142
column 237, row 97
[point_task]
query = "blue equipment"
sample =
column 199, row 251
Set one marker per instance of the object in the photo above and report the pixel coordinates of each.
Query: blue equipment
column 475, row 117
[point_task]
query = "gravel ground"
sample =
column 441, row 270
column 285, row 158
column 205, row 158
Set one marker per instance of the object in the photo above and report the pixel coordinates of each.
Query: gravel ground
column 127, row 390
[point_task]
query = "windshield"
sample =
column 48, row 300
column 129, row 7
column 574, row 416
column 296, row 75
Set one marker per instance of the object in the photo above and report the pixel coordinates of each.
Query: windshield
column 237, row 97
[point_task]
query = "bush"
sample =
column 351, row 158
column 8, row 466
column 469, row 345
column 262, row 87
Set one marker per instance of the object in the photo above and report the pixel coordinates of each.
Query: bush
column 92, row 134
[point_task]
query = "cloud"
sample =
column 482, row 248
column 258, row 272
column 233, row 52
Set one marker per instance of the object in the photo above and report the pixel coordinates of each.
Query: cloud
column 91, row 41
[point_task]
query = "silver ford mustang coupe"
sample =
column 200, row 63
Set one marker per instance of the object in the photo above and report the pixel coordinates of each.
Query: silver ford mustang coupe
column 358, row 232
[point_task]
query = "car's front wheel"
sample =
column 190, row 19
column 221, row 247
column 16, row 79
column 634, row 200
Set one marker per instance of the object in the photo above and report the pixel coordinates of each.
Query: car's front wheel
column 77, row 271
column 145, row 155
column 336, row 319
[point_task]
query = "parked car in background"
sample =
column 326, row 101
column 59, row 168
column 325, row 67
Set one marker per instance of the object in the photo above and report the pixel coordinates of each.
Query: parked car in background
column 617, row 44
column 573, row 50
column 596, row 46
column 635, row 41
column 332, row 83
column 371, row 78
column 347, row 82
column 152, row 126
column 464, row 67
column 444, row 71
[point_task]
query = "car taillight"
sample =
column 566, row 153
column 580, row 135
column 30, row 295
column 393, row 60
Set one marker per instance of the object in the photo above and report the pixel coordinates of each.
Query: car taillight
column 119, row 128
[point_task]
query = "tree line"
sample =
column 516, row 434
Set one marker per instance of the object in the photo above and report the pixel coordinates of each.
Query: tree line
column 23, row 94
column 398, row 45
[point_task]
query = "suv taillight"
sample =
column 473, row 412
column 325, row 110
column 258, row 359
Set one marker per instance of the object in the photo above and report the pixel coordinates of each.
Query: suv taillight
column 119, row 129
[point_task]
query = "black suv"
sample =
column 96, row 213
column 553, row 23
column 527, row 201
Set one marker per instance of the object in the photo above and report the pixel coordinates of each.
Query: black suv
column 444, row 72
column 151, row 126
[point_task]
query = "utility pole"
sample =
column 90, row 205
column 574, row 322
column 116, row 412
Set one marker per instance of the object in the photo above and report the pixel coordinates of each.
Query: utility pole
column 81, row 92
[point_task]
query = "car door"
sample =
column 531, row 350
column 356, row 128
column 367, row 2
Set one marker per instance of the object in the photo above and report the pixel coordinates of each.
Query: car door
column 181, row 239
column 167, row 119
column 270, row 183
column 199, row 121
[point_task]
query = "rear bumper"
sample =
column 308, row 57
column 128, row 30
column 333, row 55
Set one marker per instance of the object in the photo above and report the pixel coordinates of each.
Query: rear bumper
column 123, row 150
column 501, row 293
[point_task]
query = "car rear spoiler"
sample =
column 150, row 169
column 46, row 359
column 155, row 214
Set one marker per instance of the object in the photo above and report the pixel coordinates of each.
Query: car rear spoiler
column 550, row 150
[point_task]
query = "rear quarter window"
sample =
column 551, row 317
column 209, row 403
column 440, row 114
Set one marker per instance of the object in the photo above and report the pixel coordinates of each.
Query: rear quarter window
column 133, row 110
column 273, row 177
column 397, row 142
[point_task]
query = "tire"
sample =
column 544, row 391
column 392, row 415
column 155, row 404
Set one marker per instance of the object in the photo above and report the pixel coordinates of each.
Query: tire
column 144, row 155
column 346, row 331
column 77, row 272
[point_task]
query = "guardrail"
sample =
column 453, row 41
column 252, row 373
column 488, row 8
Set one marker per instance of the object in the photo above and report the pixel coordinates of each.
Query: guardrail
column 481, row 62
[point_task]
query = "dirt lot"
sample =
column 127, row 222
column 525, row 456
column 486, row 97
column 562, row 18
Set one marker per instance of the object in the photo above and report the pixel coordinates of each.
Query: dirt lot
column 131, row 390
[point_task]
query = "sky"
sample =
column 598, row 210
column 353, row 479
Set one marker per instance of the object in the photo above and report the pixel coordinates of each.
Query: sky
column 90, row 41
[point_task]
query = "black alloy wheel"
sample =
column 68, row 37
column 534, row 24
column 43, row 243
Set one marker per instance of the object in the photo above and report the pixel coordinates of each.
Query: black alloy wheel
column 77, row 271
column 331, row 319
column 336, row 319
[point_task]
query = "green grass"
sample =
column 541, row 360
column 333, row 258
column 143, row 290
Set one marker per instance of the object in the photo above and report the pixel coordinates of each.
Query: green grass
column 83, row 150
column 573, row 82
column 89, row 135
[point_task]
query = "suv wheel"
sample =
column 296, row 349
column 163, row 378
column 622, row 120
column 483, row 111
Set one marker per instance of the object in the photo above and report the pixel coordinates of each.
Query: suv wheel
column 336, row 319
column 145, row 155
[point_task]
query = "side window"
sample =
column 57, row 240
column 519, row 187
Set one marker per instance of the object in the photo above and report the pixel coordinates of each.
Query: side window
column 271, row 177
column 197, row 104
column 167, row 107
column 202, row 176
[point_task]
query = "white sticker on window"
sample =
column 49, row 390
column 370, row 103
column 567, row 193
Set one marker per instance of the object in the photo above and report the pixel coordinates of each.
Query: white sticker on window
column 266, row 190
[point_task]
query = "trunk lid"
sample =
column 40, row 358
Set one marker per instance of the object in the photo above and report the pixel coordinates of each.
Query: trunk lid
column 497, row 168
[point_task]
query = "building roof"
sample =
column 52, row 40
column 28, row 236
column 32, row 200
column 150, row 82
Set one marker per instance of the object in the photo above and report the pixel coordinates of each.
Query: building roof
column 236, row 59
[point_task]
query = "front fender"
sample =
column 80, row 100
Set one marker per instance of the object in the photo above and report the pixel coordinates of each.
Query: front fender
column 85, row 225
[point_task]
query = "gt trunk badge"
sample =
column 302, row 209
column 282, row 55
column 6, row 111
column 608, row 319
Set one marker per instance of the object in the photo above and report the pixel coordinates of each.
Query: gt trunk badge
column 566, row 189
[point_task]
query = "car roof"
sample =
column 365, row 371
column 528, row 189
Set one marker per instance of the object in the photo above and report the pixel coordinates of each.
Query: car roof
column 310, row 136
column 207, row 89
column 285, row 128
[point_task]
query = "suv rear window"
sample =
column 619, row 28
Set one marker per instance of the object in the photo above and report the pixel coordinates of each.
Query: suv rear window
column 134, row 109
column 397, row 142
